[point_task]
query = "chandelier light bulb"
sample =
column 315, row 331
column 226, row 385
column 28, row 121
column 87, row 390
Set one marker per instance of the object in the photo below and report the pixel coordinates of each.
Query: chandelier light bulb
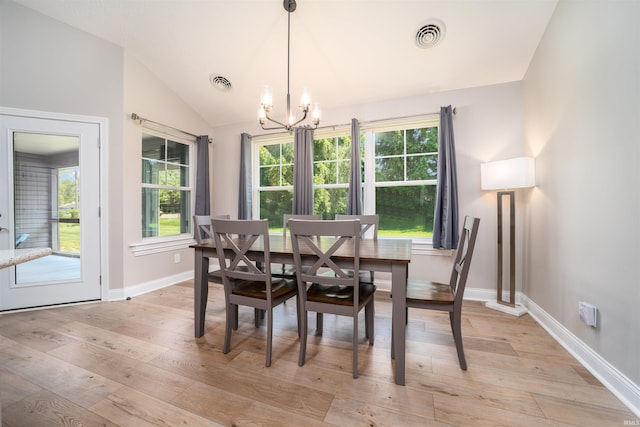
column 267, row 98
column 305, row 99
column 262, row 115
column 315, row 116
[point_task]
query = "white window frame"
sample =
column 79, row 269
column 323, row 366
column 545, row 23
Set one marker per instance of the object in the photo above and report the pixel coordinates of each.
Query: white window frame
column 160, row 244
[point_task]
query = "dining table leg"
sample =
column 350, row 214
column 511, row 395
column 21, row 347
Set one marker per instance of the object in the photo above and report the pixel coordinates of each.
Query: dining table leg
column 399, row 305
column 201, row 290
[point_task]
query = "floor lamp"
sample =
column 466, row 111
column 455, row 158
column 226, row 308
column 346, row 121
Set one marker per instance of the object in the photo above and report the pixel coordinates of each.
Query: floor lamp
column 507, row 175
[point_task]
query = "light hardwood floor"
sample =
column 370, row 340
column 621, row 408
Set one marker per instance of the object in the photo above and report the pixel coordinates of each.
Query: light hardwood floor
column 136, row 363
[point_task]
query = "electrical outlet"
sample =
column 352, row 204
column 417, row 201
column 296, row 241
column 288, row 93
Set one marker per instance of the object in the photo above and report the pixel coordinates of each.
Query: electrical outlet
column 588, row 313
column 176, row 258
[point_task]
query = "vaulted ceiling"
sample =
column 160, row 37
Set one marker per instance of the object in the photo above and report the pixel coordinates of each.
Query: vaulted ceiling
column 346, row 52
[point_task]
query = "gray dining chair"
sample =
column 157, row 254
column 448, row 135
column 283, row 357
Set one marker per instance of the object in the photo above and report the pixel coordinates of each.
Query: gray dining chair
column 289, row 270
column 339, row 292
column 448, row 296
column 368, row 229
column 245, row 283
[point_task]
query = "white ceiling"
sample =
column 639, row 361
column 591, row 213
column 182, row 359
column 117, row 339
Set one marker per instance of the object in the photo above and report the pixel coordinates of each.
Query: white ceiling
column 347, row 52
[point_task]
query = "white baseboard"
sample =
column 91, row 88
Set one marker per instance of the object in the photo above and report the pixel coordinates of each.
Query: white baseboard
column 616, row 382
column 153, row 285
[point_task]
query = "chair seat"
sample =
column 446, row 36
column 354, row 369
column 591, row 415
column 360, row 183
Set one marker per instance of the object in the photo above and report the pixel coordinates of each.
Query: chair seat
column 279, row 288
column 340, row 295
column 422, row 291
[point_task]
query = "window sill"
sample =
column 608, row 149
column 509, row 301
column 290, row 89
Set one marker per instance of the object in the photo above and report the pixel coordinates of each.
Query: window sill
column 155, row 246
column 425, row 247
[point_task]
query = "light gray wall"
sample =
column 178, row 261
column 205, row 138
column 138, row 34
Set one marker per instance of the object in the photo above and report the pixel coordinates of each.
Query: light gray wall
column 488, row 126
column 49, row 66
column 582, row 115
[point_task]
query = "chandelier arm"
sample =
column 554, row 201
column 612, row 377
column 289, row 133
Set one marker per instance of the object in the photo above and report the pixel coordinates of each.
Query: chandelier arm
column 303, row 117
column 266, row 114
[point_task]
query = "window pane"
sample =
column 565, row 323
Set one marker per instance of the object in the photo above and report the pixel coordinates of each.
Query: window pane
column 422, row 167
column 153, row 147
column 287, row 175
column 324, row 173
column 177, row 153
column 344, row 147
column 150, row 212
column 330, row 201
column 390, row 169
column 389, row 143
column 150, row 171
column 176, row 176
column 270, row 154
column 287, row 153
column 174, row 212
column 273, row 206
column 344, row 169
column 423, row 140
column 406, row 211
column 270, row 176
column 324, row 149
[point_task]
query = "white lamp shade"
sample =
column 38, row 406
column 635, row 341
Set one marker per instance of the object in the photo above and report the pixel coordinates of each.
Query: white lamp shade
column 505, row 174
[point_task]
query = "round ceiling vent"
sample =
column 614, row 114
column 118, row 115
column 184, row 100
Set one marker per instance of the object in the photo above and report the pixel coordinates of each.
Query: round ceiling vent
column 430, row 34
column 220, row 82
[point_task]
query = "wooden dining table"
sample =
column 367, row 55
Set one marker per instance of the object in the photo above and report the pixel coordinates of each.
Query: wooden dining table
column 384, row 255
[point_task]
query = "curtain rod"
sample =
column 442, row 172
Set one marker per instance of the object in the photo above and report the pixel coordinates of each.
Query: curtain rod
column 386, row 119
column 134, row 116
column 367, row 122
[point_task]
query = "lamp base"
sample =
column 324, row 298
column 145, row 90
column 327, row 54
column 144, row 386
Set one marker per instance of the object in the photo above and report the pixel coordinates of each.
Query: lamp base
column 517, row 311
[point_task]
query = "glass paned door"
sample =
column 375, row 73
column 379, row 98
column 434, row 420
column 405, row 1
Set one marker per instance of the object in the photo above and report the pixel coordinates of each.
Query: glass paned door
column 50, row 199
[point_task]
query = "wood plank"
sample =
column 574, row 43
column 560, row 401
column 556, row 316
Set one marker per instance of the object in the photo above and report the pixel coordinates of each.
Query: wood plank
column 80, row 386
column 48, row 409
column 128, row 407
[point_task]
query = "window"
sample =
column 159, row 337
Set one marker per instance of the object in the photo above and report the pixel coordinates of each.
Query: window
column 399, row 171
column 166, row 186
column 406, row 171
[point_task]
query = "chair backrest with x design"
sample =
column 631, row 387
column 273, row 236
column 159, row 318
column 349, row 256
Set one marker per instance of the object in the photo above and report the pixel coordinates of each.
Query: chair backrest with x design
column 287, row 217
column 237, row 237
column 368, row 224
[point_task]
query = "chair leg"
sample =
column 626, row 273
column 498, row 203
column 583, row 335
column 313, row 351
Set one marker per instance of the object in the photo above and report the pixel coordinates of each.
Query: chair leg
column 369, row 316
column 257, row 316
column 303, row 335
column 235, row 317
column 455, row 318
column 355, row 346
column 269, row 336
column 232, row 311
column 319, row 321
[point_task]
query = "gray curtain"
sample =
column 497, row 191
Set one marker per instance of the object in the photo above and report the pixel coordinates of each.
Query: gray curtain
column 354, row 201
column 244, row 192
column 203, row 197
column 445, row 222
column 303, row 172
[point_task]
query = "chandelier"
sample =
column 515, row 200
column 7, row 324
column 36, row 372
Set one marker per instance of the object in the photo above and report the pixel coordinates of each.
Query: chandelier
column 266, row 104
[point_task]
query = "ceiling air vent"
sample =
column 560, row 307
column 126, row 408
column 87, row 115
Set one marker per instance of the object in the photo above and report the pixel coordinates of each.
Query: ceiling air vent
column 220, row 82
column 430, row 34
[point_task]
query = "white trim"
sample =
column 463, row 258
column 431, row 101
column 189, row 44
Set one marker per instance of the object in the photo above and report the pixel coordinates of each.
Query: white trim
column 615, row 381
column 154, row 247
column 153, row 285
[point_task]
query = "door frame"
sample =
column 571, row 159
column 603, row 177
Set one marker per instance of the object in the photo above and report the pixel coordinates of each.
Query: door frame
column 102, row 123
